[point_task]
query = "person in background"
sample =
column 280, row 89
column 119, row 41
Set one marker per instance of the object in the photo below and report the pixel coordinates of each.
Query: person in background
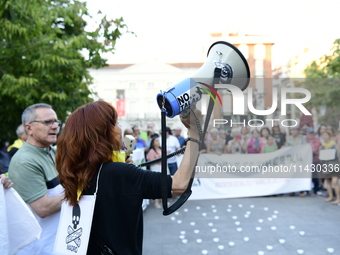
column 151, row 127
column 32, row 170
column 331, row 176
column 228, row 137
column 279, row 136
column 322, row 128
column 337, row 137
column 155, row 152
column 270, row 146
column 128, row 131
column 151, row 135
column 172, row 145
column 304, row 127
column 264, row 133
column 255, row 142
column 234, row 146
column 118, row 216
column 331, row 130
column 295, row 138
column 315, row 143
column 223, row 135
column 22, row 136
column 245, row 137
column 140, row 143
column 5, row 160
column 177, row 133
column 215, row 145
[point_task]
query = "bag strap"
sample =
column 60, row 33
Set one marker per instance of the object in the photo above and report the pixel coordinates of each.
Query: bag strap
column 105, row 250
column 97, row 182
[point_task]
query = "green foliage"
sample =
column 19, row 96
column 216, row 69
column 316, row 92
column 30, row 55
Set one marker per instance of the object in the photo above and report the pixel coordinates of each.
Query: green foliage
column 328, row 66
column 42, row 60
column 323, row 79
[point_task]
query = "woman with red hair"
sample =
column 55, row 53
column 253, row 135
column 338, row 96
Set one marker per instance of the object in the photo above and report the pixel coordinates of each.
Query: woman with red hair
column 85, row 145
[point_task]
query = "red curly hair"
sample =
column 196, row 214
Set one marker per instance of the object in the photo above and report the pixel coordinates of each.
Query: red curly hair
column 88, row 139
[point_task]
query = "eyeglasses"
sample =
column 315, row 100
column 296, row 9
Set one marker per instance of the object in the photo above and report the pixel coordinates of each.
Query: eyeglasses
column 47, row 122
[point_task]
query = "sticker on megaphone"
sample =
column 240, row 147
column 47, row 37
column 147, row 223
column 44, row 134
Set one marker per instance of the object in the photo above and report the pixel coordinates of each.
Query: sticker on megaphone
column 183, row 95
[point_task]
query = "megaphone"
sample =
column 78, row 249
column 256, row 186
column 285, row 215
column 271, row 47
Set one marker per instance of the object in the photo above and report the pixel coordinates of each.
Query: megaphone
column 225, row 64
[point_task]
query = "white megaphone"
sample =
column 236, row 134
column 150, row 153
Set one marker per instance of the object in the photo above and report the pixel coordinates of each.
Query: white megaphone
column 225, row 65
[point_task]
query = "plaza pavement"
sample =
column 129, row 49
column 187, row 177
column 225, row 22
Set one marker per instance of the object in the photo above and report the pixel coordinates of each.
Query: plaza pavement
column 281, row 225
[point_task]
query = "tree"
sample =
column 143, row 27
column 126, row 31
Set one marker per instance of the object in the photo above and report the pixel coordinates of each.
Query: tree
column 45, row 52
column 323, row 81
column 322, row 78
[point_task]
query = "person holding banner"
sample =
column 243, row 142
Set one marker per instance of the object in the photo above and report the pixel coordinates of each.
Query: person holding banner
column 32, row 170
column 215, row 145
column 85, row 146
column 255, row 142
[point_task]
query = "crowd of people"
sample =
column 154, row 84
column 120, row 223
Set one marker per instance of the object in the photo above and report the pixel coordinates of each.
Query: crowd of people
column 246, row 140
column 239, row 140
column 243, row 140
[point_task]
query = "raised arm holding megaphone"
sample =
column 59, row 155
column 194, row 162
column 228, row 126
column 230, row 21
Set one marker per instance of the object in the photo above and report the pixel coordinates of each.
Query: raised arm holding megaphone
column 225, row 65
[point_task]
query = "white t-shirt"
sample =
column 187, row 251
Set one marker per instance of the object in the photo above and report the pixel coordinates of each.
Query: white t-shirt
column 172, row 144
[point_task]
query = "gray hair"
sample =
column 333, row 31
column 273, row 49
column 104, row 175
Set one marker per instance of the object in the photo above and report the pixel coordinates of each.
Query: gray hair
column 20, row 130
column 30, row 114
column 213, row 130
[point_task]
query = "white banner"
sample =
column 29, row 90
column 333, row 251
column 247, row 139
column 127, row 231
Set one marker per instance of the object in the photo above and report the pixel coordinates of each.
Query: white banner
column 245, row 175
column 18, row 226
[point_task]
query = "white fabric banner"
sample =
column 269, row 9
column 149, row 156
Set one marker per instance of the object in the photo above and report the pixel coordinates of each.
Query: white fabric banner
column 245, row 175
column 18, row 226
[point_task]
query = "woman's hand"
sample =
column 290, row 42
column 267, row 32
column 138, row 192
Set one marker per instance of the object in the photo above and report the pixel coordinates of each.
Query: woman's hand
column 190, row 122
column 129, row 160
column 7, row 183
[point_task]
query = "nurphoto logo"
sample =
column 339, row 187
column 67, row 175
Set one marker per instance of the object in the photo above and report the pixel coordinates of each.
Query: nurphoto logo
column 239, row 103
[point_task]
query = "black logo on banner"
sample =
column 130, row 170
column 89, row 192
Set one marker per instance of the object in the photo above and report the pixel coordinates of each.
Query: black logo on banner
column 74, row 233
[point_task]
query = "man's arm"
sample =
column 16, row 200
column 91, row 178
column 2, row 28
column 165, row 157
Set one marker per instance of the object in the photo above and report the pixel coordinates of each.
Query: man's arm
column 46, row 206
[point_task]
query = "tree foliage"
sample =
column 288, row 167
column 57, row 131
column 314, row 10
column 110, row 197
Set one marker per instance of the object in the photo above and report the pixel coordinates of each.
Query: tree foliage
column 323, row 79
column 45, row 53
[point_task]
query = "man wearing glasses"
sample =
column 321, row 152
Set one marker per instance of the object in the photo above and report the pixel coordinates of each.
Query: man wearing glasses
column 32, row 170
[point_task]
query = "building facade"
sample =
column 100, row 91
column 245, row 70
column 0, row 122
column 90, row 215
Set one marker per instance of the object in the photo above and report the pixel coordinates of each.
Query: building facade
column 133, row 88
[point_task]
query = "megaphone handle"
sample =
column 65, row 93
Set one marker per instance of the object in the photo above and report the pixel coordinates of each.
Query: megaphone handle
column 164, row 163
column 184, row 197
